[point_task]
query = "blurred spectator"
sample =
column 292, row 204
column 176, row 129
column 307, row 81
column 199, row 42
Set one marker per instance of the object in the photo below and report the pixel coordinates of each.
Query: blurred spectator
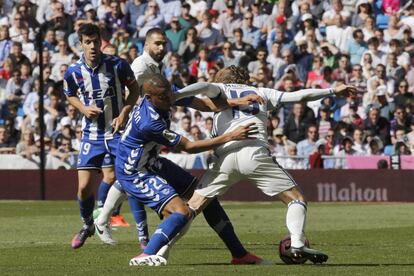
column 65, row 152
column 6, row 145
column 307, row 146
column 61, row 22
column 375, row 146
column 291, row 162
column 359, row 146
column 26, row 147
column 339, row 34
column 329, row 17
column 229, row 20
column 202, row 64
column 379, row 83
column 402, row 97
column 189, row 48
column 363, row 11
column 356, row 46
column 17, row 57
column 228, row 58
column 297, row 123
column 133, row 10
column 185, row 127
column 17, row 88
column 121, row 41
column 345, row 149
column 209, row 36
column 343, row 70
column 251, row 34
column 325, row 122
column 378, row 125
column 315, row 158
column 176, row 34
column 394, row 30
column 242, row 50
column 394, row 70
column 400, row 121
column 5, row 44
column 115, row 19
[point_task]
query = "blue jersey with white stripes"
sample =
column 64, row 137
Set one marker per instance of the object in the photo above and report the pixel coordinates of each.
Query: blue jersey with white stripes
column 147, row 129
column 103, row 86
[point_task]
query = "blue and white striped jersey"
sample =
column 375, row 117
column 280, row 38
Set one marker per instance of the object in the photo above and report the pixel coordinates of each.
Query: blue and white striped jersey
column 103, row 86
column 147, row 129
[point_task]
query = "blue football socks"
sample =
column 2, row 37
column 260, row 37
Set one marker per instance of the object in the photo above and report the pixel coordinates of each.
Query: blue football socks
column 165, row 232
column 86, row 209
column 140, row 216
column 102, row 193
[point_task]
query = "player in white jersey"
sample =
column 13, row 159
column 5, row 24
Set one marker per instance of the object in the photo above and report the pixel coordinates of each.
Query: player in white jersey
column 261, row 169
column 145, row 66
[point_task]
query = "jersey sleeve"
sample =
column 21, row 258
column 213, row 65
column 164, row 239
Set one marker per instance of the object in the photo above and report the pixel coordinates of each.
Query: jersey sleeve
column 159, row 133
column 70, row 87
column 125, row 73
column 273, row 97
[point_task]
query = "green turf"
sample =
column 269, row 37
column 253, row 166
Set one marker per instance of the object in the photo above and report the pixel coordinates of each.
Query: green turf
column 361, row 239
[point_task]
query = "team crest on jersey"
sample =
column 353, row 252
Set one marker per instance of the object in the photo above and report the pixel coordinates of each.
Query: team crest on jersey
column 169, row 135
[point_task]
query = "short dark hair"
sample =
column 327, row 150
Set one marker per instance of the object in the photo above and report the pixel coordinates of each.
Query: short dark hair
column 88, row 29
column 154, row 31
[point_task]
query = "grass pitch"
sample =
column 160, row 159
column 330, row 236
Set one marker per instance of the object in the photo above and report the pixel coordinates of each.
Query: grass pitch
column 360, row 239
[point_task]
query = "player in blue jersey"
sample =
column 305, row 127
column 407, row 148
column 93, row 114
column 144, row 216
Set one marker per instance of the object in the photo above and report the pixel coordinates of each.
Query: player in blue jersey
column 95, row 85
column 182, row 181
column 138, row 149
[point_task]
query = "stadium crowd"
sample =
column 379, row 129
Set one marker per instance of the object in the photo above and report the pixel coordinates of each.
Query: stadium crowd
column 287, row 45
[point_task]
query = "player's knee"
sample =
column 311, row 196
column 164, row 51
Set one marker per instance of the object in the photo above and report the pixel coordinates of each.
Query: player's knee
column 176, row 205
column 109, row 176
column 291, row 195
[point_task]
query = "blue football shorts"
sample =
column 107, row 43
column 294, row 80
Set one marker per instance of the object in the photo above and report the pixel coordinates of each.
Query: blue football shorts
column 97, row 154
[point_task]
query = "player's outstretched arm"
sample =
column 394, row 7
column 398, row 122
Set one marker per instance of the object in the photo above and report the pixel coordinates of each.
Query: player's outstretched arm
column 240, row 133
column 214, row 103
column 315, row 94
column 90, row 112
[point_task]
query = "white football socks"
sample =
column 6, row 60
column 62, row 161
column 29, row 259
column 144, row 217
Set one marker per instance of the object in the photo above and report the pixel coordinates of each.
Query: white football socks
column 295, row 222
column 114, row 198
column 165, row 250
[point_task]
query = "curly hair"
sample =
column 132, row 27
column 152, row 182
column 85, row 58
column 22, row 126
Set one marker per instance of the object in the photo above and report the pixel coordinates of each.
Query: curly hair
column 232, row 74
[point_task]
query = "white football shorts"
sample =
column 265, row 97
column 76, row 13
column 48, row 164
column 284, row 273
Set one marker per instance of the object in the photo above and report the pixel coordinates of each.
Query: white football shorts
column 252, row 163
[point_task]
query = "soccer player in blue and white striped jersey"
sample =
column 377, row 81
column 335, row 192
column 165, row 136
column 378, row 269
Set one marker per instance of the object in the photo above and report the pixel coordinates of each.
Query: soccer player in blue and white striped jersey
column 95, row 85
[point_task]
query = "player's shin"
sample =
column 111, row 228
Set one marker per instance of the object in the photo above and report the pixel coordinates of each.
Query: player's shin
column 295, row 222
column 166, row 232
column 103, row 193
column 140, row 217
column 115, row 197
column 165, row 250
column 217, row 218
column 86, row 209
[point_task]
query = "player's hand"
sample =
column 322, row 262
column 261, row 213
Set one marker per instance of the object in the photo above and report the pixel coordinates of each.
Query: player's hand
column 92, row 111
column 119, row 122
column 244, row 132
column 345, row 90
column 249, row 99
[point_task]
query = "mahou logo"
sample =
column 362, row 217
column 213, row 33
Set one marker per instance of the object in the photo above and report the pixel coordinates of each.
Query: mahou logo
column 330, row 192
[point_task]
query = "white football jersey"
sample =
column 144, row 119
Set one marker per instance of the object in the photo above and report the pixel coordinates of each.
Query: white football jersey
column 231, row 118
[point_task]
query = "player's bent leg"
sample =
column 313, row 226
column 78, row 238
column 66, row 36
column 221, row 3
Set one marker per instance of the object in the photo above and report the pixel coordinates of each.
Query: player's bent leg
column 86, row 202
column 177, row 216
column 116, row 196
column 295, row 222
column 140, row 217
